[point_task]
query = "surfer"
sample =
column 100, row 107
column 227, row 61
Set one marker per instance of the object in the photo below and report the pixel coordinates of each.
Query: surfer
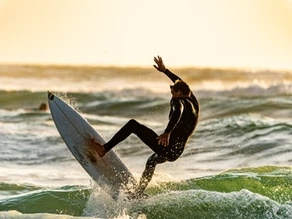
column 168, row 146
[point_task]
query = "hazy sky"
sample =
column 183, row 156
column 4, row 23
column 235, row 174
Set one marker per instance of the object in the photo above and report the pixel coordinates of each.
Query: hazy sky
column 221, row 33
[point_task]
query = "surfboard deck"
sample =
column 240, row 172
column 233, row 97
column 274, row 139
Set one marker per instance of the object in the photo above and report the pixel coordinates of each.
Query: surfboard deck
column 108, row 171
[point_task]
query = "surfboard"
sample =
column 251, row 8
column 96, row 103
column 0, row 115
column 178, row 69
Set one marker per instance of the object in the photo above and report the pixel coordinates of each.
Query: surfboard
column 108, row 171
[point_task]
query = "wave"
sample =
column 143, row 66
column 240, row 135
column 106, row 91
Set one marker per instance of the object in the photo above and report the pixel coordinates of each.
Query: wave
column 262, row 192
column 30, row 199
column 272, row 90
column 145, row 100
column 202, row 204
column 19, row 215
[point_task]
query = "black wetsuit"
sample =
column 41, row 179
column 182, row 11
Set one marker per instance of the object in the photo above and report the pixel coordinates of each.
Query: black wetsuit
column 183, row 118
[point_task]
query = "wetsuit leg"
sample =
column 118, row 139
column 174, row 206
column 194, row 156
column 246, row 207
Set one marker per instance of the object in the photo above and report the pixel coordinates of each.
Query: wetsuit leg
column 148, row 136
column 152, row 161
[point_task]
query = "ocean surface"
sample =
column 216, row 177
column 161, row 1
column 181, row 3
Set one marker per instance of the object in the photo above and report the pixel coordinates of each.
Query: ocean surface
column 236, row 165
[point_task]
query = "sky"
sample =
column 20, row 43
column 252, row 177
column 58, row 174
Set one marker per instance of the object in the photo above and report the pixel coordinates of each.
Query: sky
column 204, row 33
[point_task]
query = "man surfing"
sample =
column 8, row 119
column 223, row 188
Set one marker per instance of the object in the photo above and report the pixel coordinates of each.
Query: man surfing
column 183, row 119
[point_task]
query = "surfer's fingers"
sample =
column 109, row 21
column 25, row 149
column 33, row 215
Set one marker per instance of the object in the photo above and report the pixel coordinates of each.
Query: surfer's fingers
column 165, row 143
column 157, row 63
column 160, row 140
column 156, row 60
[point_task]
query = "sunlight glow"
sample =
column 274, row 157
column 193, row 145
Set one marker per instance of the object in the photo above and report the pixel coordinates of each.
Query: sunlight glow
column 225, row 33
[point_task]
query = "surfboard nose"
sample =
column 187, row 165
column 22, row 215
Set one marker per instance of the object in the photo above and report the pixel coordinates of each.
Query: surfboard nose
column 50, row 95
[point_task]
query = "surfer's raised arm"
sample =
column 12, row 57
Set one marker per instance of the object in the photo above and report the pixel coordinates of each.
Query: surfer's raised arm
column 161, row 67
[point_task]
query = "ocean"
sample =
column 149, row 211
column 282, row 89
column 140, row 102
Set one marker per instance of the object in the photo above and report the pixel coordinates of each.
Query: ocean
column 236, row 165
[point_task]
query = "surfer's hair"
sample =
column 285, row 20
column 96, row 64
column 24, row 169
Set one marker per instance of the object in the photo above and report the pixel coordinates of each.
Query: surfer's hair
column 182, row 86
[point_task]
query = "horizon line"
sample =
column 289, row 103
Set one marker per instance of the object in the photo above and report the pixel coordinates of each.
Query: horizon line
column 92, row 65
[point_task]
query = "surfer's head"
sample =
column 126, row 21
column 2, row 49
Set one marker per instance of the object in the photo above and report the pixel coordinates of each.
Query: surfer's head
column 180, row 88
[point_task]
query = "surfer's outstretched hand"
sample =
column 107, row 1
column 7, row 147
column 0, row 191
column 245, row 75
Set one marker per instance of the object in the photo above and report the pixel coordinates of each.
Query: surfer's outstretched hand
column 159, row 64
column 163, row 139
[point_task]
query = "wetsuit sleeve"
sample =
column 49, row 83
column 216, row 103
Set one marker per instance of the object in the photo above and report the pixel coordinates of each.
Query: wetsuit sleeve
column 175, row 115
column 171, row 75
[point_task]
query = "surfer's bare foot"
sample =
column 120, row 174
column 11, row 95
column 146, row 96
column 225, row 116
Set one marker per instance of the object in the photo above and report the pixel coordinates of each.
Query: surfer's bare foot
column 98, row 147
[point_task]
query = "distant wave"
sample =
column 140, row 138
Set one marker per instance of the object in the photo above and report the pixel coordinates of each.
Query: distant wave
column 250, row 91
column 142, row 81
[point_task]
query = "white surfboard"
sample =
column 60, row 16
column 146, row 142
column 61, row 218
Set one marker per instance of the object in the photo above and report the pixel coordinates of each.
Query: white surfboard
column 109, row 171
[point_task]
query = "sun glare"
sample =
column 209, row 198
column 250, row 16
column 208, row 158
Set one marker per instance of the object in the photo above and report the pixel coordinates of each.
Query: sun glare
column 251, row 33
